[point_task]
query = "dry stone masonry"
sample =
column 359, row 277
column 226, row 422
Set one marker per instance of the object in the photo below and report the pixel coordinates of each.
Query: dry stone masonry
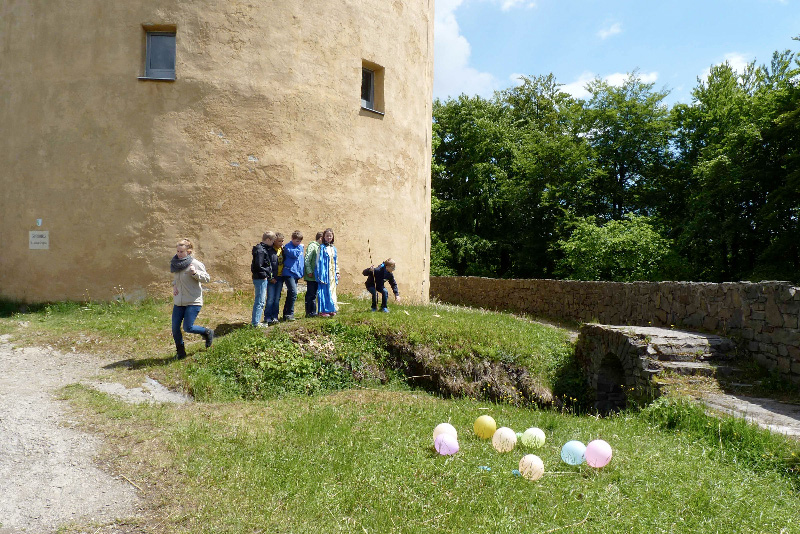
column 761, row 318
column 621, row 362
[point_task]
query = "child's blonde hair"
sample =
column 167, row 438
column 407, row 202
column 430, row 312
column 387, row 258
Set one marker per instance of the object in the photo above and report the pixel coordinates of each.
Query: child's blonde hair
column 389, row 263
column 186, row 243
column 268, row 235
column 297, row 234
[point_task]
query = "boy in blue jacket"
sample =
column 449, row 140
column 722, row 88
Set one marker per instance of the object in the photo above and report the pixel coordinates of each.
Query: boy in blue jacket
column 293, row 268
column 376, row 277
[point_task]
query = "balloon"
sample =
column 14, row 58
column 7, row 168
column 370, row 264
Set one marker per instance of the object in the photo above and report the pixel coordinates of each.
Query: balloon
column 533, row 437
column 485, row 427
column 572, row 452
column 504, row 439
column 531, row 467
column 445, row 428
column 598, row 453
column 445, row 444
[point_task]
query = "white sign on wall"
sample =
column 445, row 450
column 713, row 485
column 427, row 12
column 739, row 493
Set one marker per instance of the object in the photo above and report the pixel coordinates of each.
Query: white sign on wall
column 39, row 240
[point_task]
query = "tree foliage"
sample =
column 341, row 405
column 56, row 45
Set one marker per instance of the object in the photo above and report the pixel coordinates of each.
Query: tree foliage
column 623, row 250
column 521, row 181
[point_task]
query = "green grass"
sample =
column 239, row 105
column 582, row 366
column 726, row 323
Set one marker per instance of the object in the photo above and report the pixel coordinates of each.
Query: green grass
column 306, row 430
column 362, row 461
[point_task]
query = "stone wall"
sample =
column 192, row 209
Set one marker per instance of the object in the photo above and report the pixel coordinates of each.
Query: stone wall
column 761, row 317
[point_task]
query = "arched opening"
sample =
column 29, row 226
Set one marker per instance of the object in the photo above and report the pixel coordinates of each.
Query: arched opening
column 610, row 389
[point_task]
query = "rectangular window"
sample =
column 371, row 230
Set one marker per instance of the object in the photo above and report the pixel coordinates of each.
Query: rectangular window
column 160, row 56
column 367, row 89
column 372, row 76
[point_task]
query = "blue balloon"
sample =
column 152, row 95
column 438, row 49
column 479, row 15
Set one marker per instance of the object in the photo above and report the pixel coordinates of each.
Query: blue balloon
column 573, row 452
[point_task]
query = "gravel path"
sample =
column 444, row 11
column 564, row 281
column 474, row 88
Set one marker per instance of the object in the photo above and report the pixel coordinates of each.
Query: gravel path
column 47, row 474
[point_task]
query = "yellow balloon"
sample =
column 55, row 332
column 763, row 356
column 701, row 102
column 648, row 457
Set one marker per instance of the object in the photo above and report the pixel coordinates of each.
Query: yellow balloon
column 485, row 427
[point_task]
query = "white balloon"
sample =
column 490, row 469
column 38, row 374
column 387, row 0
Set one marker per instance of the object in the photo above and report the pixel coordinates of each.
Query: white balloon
column 531, row 467
column 444, row 428
column 504, row 439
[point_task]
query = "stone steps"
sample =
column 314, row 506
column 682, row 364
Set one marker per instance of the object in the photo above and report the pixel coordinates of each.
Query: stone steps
column 637, row 360
column 696, row 368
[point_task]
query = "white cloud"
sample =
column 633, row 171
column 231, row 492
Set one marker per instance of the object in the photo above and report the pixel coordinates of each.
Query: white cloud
column 608, row 31
column 737, row 61
column 516, row 78
column 578, row 87
column 507, row 5
column 452, row 73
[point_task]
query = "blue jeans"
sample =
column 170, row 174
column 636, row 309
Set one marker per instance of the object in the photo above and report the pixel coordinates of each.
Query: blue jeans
column 374, row 293
column 260, row 300
column 311, row 298
column 291, row 295
column 273, row 300
column 187, row 315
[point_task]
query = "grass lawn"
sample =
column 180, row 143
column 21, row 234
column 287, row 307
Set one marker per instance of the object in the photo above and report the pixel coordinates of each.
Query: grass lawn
column 318, row 451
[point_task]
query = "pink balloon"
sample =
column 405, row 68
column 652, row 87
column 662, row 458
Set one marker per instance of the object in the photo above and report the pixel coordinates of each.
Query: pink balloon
column 598, row 453
column 445, row 444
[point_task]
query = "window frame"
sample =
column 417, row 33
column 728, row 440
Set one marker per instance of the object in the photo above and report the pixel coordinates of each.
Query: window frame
column 375, row 74
column 159, row 74
column 369, row 103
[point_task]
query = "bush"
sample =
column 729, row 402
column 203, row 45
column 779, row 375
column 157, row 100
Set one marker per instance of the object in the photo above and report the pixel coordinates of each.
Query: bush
column 619, row 251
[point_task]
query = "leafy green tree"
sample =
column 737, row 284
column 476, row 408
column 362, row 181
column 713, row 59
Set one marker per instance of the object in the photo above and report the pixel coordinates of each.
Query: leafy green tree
column 472, row 157
column 546, row 180
column 624, row 250
column 629, row 130
column 740, row 154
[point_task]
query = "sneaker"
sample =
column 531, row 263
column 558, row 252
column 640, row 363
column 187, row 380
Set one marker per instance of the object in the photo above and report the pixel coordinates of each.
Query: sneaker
column 332, row 314
column 272, row 322
column 385, row 310
column 288, row 318
column 309, row 315
column 324, row 314
column 209, row 337
column 374, row 309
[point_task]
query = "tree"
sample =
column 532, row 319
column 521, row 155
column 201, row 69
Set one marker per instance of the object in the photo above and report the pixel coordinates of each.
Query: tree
column 471, row 159
column 739, row 146
column 624, row 250
column 629, row 130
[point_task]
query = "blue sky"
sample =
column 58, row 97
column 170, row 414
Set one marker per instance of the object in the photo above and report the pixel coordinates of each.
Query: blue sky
column 483, row 45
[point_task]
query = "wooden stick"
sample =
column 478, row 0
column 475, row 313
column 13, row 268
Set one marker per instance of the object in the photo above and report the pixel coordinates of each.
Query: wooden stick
column 132, row 483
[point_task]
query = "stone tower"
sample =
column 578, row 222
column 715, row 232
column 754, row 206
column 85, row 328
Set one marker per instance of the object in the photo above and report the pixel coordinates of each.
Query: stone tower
column 129, row 125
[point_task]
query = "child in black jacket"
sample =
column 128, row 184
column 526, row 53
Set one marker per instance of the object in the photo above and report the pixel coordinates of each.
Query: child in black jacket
column 376, row 277
column 263, row 268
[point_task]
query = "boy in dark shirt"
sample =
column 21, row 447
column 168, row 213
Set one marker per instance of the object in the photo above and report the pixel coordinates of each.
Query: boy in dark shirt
column 376, row 277
column 261, row 268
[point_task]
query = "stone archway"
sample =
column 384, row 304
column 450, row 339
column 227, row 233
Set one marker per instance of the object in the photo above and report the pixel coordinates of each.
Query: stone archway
column 612, row 384
column 620, row 362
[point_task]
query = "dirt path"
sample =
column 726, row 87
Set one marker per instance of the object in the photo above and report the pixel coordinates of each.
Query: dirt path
column 47, row 474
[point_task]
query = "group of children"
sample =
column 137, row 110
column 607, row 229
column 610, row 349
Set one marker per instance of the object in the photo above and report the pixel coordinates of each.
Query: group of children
column 275, row 265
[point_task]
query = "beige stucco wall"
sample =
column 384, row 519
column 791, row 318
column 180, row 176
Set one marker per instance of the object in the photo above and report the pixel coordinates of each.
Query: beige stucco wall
column 262, row 129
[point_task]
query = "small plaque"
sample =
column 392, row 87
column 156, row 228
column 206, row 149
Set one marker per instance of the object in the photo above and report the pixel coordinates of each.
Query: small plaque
column 39, row 239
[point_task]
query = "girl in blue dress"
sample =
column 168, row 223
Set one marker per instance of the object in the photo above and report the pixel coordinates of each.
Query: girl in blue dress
column 327, row 273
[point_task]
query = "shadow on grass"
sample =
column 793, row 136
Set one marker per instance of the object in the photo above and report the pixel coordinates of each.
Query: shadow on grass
column 9, row 308
column 223, row 329
column 132, row 364
column 220, row 330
